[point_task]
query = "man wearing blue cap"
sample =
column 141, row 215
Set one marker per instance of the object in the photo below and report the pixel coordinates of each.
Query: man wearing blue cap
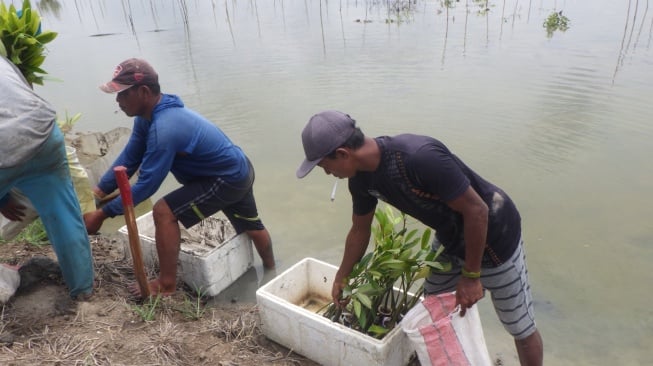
column 476, row 222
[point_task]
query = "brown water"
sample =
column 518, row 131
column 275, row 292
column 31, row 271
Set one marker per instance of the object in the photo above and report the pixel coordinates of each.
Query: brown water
column 562, row 123
column 314, row 303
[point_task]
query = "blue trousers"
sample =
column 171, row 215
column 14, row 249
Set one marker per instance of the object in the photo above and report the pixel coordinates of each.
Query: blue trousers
column 45, row 180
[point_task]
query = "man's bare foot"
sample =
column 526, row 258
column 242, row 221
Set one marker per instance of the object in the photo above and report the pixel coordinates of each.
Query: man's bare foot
column 155, row 289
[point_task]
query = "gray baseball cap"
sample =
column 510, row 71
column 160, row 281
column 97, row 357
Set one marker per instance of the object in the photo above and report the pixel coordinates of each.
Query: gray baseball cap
column 324, row 133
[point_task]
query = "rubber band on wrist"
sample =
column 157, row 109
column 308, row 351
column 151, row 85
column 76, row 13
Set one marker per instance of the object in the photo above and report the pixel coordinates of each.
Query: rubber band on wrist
column 472, row 275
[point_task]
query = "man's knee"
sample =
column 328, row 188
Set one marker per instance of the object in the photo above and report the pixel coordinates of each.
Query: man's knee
column 162, row 212
column 533, row 337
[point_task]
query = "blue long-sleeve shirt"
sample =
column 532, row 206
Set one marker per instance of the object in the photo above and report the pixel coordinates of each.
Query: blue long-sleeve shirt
column 176, row 140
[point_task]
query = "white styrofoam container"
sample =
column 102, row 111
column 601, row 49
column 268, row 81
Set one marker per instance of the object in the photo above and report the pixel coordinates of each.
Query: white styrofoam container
column 285, row 321
column 211, row 256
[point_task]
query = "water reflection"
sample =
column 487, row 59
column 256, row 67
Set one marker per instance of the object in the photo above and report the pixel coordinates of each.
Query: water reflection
column 392, row 13
column 127, row 11
column 52, row 7
column 628, row 33
column 231, row 31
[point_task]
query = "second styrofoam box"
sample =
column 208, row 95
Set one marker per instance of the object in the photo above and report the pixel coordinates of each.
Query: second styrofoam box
column 287, row 320
column 211, row 256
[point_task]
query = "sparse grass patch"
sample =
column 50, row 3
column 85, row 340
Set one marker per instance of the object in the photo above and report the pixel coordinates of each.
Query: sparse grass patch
column 193, row 309
column 34, row 234
column 147, row 310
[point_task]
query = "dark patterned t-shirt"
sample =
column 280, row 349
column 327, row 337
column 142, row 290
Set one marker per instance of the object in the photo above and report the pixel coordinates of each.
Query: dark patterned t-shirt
column 418, row 175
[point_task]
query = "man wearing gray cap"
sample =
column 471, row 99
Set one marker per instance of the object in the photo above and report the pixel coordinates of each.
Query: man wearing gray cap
column 215, row 174
column 476, row 222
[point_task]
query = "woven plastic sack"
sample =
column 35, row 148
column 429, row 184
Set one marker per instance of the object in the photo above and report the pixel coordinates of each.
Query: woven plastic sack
column 80, row 181
column 442, row 337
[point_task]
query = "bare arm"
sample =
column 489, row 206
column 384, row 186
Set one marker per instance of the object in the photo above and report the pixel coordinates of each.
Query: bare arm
column 356, row 244
column 475, row 221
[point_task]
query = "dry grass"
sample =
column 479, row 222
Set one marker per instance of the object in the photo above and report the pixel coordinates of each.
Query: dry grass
column 167, row 345
column 107, row 331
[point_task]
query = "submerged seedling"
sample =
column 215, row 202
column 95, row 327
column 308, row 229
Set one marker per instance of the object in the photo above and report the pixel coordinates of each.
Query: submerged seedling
column 555, row 22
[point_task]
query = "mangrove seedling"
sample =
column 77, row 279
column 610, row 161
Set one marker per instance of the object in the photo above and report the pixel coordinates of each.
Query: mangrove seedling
column 556, row 22
column 380, row 284
column 22, row 41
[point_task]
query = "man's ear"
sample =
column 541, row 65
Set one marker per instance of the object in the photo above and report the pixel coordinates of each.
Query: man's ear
column 144, row 91
column 147, row 90
column 342, row 152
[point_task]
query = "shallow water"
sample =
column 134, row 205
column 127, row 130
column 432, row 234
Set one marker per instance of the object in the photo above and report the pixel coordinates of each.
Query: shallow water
column 562, row 123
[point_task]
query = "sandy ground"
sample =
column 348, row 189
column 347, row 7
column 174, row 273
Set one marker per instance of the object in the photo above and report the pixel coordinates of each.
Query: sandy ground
column 41, row 325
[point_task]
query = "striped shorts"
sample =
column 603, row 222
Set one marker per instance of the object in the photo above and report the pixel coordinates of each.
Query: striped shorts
column 507, row 284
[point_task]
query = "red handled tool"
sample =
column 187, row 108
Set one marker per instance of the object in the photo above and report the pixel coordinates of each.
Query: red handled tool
column 132, row 229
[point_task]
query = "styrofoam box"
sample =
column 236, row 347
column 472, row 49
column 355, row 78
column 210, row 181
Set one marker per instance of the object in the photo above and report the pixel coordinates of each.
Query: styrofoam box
column 286, row 322
column 211, row 256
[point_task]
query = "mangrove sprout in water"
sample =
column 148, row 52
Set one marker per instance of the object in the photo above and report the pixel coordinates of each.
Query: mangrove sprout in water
column 556, row 22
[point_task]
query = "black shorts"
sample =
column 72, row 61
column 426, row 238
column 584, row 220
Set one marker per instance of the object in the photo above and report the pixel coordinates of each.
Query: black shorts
column 203, row 197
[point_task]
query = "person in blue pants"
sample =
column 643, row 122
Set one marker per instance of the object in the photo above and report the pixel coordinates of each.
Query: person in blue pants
column 33, row 159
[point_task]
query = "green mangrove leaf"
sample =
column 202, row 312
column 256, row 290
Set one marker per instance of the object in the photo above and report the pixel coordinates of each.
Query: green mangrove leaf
column 375, row 273
column 46, row 37
column 439, row 266
column 367, row 288
column 377, row 331
column 363, row 299
column 357, row 309
column 394, row 263
column 405, row 255
column 362, row 319
column 423, row 272
column 426, row 239
column 410, row 235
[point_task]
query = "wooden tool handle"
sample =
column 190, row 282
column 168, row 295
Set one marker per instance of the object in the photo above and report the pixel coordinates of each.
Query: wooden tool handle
column 132, row 229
